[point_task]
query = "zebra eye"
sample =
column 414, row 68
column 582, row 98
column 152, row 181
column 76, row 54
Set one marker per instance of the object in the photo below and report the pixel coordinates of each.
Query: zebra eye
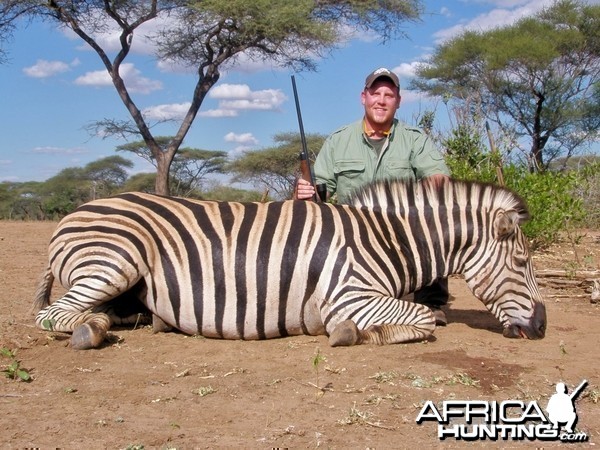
column 520, row 260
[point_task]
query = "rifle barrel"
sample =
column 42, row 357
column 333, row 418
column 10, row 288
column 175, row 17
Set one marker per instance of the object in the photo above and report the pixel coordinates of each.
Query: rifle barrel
column 304, row 159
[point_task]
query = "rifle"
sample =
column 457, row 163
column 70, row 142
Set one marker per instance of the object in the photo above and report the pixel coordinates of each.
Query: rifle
column 304, row 158
column 578, row 389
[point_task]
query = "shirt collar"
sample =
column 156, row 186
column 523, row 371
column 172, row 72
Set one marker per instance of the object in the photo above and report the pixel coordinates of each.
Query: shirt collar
column 369, row 133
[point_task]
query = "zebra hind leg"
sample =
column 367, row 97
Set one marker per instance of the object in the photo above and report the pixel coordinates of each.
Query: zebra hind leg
column 416, row 323
column 82, row 311
column 88, row 329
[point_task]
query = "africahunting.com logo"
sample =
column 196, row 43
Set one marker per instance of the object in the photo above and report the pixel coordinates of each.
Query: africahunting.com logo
column 517, row 420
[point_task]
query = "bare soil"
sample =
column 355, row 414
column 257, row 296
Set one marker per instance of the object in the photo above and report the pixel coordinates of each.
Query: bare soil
column 174, row 391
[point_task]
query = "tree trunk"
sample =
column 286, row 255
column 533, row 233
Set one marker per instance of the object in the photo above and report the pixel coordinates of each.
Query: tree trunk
column 163, row 165
column 537, row 146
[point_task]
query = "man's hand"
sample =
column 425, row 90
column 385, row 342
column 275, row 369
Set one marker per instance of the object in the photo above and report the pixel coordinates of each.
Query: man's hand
column 304, row 190
column 436, row 180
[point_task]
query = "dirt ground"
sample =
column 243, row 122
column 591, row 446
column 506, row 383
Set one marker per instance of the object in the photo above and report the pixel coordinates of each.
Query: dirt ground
column 173, row 391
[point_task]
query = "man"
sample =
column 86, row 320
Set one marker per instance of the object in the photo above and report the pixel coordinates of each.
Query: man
column 375, row 148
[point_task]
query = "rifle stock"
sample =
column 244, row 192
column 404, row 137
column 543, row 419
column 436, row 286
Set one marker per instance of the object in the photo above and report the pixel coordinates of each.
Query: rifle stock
column 305, row 169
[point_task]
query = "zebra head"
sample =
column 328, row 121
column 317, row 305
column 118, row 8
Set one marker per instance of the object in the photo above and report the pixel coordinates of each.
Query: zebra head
column 501, row 275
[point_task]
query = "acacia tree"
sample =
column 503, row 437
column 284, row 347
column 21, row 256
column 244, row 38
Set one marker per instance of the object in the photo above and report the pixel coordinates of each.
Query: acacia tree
column 208, row 34
column 189, row 167
column 538, row 78
column 275, row 168
column 107, row 175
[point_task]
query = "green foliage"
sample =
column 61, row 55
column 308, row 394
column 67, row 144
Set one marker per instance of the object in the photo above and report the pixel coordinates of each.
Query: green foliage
column 14, row 370
column 107, row 174
column 316, row 361
column 467, row 158
column 536, row 78
column 588, row 190
column 140, row 182
column 48, row 324
column 20, row 201
column 190, row 168
column 65, row 191
column 551, row 202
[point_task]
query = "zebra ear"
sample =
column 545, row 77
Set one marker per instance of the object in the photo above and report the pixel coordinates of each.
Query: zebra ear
column 506, row 222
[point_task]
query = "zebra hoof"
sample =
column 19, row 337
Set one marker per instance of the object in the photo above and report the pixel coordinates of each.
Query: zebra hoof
column 159, row 326
column 86, row 336
column 344, row 334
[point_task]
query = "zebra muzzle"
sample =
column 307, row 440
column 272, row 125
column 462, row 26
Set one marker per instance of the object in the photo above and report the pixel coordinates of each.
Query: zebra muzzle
column 535, row 328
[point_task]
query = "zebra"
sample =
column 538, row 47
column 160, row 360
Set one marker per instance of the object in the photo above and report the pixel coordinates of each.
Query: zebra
column 265, row 270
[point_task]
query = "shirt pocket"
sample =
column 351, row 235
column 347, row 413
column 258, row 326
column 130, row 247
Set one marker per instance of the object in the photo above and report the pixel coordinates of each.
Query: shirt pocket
column 349, row 168
column 399, row 169
column 350, row 175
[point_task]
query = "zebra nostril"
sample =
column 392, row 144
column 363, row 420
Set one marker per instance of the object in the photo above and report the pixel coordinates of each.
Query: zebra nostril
column 542, row 330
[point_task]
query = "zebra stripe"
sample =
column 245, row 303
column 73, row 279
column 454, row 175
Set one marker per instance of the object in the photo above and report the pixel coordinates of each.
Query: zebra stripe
column 264, row 270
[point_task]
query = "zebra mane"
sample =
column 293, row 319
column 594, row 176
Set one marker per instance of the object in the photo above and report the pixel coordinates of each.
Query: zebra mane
column 393, row 194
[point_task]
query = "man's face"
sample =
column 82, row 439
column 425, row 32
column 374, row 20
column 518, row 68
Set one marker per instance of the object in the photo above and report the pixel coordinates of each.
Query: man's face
column 381, row 101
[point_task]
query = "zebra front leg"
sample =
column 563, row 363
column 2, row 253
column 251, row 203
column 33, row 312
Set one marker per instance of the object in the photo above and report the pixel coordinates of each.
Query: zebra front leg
column 384, row 321
column 88, row 329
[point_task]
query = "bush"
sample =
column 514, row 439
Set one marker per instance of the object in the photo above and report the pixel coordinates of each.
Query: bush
column 588, row 189
column 467, row 158
column 551, row 201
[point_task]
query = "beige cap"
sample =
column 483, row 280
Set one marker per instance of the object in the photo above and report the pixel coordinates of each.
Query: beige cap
column 379, row 73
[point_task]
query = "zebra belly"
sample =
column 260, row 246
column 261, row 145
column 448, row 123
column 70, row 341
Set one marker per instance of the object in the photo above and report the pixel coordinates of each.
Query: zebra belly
column 235, row 317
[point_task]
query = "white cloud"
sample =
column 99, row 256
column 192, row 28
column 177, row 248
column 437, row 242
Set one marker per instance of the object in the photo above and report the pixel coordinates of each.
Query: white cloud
column 44, row 68
column 405, row 70
column 246, row 139
column 508, row 12
column 217, row 113
column 232, row 98
column 228, row 91
column 96, row 78
column 246, row 142
column 133, row 80
column 414, row 97
column 256, row 104
column 239, row 97
column 173, row 111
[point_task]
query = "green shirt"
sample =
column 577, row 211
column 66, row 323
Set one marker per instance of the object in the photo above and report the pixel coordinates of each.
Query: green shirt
column 347, row 161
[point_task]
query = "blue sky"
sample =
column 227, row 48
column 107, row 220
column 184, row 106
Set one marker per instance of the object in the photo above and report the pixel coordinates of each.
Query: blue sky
column 54, row 86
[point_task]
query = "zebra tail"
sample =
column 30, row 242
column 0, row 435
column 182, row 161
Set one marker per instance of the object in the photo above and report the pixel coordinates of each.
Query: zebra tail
column 42, row 295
